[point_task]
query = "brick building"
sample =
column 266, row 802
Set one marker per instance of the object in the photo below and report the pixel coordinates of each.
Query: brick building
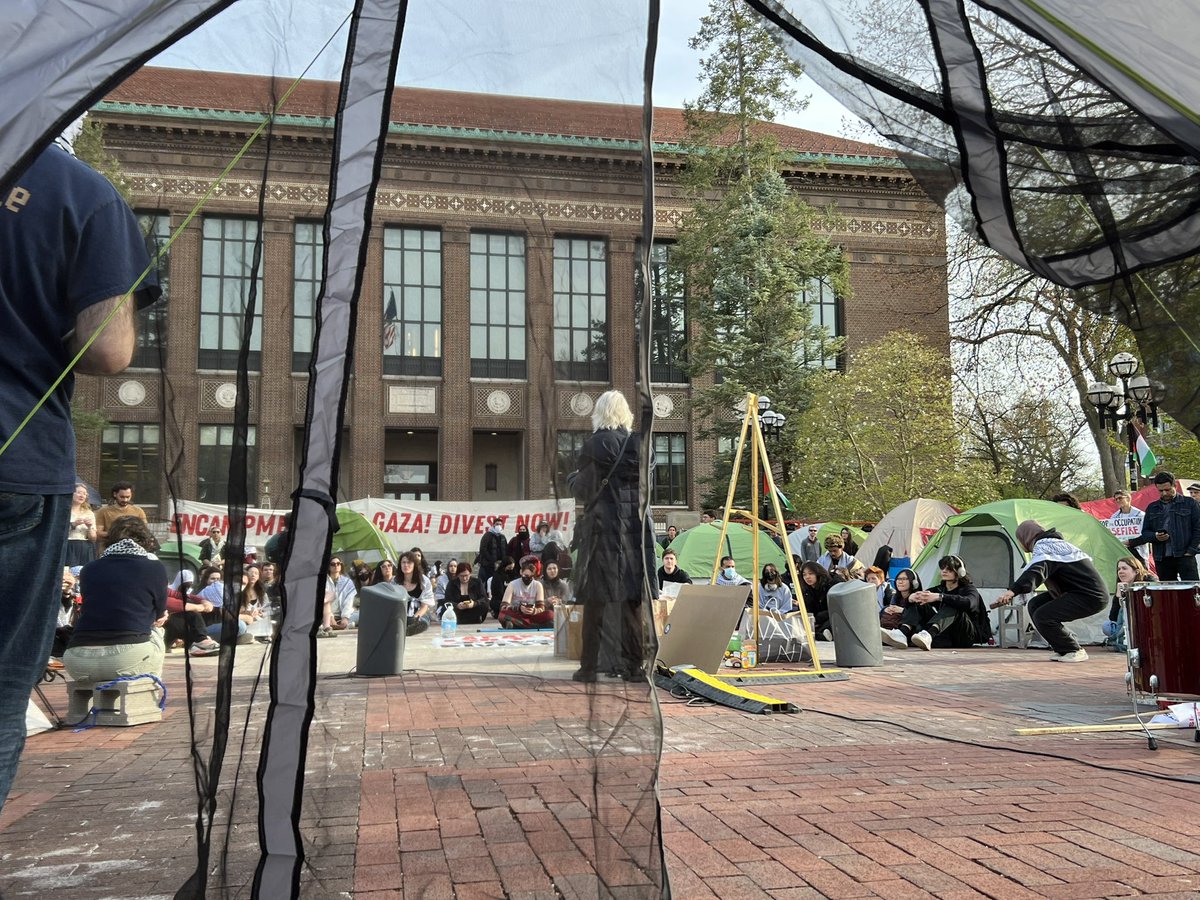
column 504, row 226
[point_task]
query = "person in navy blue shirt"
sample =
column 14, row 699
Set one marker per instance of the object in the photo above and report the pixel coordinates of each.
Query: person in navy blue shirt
column 1172, row 529
column 72, row 252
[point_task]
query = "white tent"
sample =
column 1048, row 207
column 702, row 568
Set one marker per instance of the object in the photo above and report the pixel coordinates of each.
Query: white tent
column 906, row 529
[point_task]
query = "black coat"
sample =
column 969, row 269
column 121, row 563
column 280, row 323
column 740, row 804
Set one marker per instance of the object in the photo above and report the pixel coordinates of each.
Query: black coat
column 612, row 541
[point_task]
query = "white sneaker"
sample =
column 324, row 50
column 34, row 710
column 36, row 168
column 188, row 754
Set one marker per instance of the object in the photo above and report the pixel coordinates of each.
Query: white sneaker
column 1077, row 656
column 923, row 639
column 894, row 637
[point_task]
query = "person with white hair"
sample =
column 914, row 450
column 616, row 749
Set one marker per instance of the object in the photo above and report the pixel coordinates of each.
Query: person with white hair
column 615, row 545
column 1074, row 589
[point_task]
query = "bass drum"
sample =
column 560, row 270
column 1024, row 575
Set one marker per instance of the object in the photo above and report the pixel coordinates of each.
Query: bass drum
column 1164, row 637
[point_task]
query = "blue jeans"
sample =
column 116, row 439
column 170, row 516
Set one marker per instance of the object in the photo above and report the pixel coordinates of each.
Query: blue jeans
column 33, row 545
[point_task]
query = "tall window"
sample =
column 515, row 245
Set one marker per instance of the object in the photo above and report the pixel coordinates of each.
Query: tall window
column 151, row 351
column 826, row 314
column 566, row 457
column 410, row 481
column 307, row 268
column 227, row 258
column 670, row 470
column 216, row 442
column 668, row 318
column 131, row 452
column 412, row 292
column 580, row 309
column 497, row 306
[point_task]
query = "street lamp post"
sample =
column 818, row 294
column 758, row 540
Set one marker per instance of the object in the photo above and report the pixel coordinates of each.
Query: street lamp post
column 1131, row 398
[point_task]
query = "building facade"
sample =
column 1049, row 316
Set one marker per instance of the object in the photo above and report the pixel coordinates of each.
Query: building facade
column 498, row 290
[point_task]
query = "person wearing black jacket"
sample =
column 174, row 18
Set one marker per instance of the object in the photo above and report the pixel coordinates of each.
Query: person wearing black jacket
column 493, row 547
column 951, row 614
column 1172, row 528
column 1074, row 589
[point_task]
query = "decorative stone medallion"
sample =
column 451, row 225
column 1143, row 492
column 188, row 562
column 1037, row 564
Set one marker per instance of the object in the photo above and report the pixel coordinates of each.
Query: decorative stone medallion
column 499, row 402
column 132, row 393
column 226, row 395
column 663, row 405
column 582, row 404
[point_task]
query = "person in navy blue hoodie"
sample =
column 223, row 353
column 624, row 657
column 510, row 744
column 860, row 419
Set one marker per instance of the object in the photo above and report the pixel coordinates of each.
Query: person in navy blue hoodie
column 1172, row 528
column 1074, row 589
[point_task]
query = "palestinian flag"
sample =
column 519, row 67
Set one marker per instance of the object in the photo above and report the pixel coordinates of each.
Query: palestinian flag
column 1146, row 458
column 783, row 500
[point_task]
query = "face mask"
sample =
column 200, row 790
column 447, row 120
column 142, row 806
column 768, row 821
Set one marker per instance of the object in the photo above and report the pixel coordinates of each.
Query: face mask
column 526, row 579
column 729, row 572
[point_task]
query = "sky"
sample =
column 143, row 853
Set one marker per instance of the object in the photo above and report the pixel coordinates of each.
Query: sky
column 577, row 49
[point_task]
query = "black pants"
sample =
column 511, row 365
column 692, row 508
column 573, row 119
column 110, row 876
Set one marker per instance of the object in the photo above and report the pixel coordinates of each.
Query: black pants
column 1173, row 567
column 1049, row 613
column 955, row 627
column 186, row 626
column 473, row 615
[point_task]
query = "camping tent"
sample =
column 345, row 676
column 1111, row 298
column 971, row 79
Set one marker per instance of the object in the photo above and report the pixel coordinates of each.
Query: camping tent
column 985, row 538
column 697, row 549
column 358, row 538
column 906, row 529
column 826, row 529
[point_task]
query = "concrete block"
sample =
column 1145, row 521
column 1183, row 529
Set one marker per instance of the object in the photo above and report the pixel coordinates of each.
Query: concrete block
column 121, row 704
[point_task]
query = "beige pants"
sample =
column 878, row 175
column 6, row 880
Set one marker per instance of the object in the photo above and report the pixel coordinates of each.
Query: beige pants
column 103, row 663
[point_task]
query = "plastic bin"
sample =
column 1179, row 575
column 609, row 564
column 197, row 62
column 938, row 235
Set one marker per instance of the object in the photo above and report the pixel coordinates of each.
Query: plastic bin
column 382, row 626
column 854, row 620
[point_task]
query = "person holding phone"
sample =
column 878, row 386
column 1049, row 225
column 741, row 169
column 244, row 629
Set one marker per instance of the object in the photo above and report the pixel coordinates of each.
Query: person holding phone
column 1172, row 529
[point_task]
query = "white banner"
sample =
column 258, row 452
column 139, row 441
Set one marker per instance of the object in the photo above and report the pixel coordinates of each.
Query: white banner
column 437, row 528
column 443, row 528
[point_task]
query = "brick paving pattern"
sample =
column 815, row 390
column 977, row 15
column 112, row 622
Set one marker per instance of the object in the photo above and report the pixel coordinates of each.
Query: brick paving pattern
column 441, row 785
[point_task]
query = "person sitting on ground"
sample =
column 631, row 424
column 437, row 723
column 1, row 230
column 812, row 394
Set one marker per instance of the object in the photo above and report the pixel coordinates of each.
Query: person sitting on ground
column 342, row 586
column 557, row 588
column 420, row 593
column 671, row 534
column 814, row 591
column 467, row 595
column 670, row 573
column 883, row 591
column 1074, row 589
column 836, row 557
column 443, row 581
column 506, row 571
column 542, row 537
column 119, row 631
column 210, row 589
column 385, row 572
column 728, row 575
column 948, row 615
column 525, row 600
column 786, row 574
column 907, row 583
column 255, row 609
column 185, row 626
column 1130, row 570
column 773, row 595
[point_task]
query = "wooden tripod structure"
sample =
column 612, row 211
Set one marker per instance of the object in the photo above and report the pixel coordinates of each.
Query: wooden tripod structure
column 752, row 435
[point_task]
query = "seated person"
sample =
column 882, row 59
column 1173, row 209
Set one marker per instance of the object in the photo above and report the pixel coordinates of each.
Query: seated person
column 947, row 615
column 907, row 584
column 524, row 603
column 557, row 588
column 665, row 540
column 185, row 626
column 419, row 588
column 836, row 557
column 466, row 594
column 1074, row 589
column 506, row 571
column 119, row 630
column 670, row 572
column 773, row 595
column 883, row 591
column 786, row 574
column 1130, row 570
column 443, row 581
column 344, row 593
column 212, row 591
column 729, row 573
column 814, row 590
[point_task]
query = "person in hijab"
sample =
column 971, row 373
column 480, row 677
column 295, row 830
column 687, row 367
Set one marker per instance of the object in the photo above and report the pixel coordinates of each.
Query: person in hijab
column 1074, row 589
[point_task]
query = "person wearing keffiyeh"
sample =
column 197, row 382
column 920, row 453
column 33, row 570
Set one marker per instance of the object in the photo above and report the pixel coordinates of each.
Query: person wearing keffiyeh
column 1074, row 589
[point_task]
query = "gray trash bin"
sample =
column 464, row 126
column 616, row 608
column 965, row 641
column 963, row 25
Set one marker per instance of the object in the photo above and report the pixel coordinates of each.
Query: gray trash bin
column 382, row 626
column 854, row 620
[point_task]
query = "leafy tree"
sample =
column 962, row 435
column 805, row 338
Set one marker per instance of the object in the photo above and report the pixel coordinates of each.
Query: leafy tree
column 882, row 433
column 88, row 145
column 748, row 248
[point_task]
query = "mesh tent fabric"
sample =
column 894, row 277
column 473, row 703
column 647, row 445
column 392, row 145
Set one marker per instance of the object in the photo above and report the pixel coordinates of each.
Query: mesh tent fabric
column 311, row 139
column 1045, row 132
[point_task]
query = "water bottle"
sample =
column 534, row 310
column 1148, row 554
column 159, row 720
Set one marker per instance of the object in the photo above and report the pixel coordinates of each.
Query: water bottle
column 449, row 621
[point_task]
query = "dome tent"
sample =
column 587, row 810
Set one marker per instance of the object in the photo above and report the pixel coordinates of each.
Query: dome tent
column 906, row 529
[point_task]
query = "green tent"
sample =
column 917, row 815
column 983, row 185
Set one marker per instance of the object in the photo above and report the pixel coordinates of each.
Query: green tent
column 836, row 528
column 174, row 561
column 358, row 538
column 697, row 549
column 985, row 538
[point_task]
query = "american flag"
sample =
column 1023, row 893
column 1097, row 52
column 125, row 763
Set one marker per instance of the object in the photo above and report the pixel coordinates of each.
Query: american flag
column 390, row 317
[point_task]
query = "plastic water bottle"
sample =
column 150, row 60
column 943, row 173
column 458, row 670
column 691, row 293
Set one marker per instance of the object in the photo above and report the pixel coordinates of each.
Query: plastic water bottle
column 449, row 622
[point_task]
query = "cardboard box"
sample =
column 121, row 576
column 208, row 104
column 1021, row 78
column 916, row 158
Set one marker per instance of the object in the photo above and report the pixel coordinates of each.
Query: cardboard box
column 662, row 611
column 568, row 630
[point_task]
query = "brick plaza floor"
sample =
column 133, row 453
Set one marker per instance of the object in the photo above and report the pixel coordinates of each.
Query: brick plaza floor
column 437, row 784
